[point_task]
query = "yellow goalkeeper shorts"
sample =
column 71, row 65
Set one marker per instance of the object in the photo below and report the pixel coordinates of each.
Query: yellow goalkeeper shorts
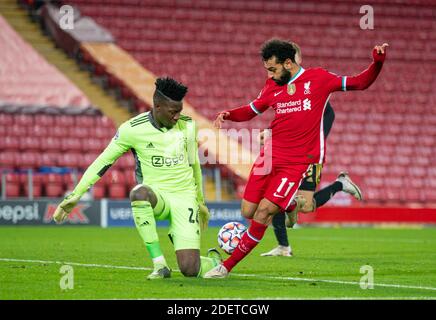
column 181, row 209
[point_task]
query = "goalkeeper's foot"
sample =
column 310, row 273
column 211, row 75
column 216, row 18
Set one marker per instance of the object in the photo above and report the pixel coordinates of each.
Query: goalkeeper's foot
column 160, row 272
column 292, row 216
column 218, row 272
column 215, row 256
column 279, row 251
column 348, row 186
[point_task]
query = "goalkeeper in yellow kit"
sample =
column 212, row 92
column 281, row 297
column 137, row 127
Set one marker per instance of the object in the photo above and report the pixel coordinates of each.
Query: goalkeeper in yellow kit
column 168, row 173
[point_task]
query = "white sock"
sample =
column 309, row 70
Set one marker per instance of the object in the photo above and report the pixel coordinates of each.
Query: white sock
column 159, row 261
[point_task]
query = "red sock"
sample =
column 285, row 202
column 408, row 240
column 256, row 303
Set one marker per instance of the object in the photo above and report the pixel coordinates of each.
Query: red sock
column 249, row 240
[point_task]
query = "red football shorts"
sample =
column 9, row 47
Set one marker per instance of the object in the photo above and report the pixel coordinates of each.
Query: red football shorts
column 279, row 184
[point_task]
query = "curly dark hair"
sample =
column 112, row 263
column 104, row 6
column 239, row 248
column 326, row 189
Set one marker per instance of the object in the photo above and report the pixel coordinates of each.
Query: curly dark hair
column 170, row 88
column 281, row 49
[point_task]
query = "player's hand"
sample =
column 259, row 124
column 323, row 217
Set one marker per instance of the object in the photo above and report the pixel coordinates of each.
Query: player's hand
column 220, row 118
column 65, row 207
column 204, row 216
column 379, row 52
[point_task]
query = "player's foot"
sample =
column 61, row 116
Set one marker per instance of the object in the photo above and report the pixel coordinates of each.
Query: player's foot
column 218, row 272
column 278, row 251
column 160, row 272
column 292, row 216
column 349, row 186
column 215, row 255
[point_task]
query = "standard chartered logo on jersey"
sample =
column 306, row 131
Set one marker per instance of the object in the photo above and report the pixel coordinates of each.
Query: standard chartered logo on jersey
column 294, row 106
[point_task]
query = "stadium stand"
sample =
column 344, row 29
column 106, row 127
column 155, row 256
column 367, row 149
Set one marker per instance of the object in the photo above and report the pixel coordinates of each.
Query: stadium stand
column 28, row 79
column 385, row 135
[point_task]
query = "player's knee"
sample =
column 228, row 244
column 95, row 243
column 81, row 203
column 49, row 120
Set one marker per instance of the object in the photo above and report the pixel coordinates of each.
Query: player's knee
column 189, row 269
column 142, row 193
column 263, row 214
column 247, row 214
column 248, row 209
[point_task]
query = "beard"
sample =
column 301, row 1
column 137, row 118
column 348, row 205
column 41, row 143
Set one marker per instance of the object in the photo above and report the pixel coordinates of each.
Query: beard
column 284, row 78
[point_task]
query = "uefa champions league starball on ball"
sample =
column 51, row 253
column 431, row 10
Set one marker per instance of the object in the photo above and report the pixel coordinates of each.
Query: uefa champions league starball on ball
column 229, row 236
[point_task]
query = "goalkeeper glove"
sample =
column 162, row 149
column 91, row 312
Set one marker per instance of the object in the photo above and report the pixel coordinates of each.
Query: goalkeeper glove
column 65, row 207
column 204, row 216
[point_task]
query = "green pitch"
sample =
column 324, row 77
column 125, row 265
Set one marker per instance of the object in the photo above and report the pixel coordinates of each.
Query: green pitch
column 113, row 264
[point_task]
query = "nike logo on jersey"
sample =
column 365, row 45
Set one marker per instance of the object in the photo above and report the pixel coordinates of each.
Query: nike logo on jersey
column 277, row 93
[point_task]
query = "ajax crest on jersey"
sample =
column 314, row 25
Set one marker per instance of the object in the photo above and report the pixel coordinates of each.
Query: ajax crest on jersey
column 291, row 89
column 229, row 236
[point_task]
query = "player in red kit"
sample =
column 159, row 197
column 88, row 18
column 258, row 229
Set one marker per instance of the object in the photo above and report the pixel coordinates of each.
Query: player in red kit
column 298, row 97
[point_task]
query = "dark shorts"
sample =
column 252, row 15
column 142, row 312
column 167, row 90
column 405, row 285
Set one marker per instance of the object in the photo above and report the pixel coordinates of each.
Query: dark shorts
column 311, row 181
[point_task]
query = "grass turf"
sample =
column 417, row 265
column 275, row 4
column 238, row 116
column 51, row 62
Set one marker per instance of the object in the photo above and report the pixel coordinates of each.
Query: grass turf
column 326, row 264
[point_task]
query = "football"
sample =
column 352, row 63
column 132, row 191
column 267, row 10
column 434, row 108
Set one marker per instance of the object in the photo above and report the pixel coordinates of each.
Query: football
column 229, row 236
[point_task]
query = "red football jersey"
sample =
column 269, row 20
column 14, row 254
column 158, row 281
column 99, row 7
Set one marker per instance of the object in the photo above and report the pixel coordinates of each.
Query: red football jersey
column 297, row 129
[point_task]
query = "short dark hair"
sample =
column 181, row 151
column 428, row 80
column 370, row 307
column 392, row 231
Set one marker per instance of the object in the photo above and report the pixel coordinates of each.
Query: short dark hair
column 281, row 49
column 170, row 88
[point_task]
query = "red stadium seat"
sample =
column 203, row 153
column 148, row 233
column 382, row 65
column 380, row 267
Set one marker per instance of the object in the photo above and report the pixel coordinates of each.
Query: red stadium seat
column 115, row 177
column 57, row 131
column 85, row 121
column 8, row 159
column 52, row 144
column 69, row 159
column 36, row 184
column 24, row 120
column 10, row 143
column 117, row 191
column 99, row 191
column 38, row 130
column 105, row 122
column 70, row 180
column 6, row 119
column 17, row 130
column 28, row 160
column 71, row 144
column 53, row 185
column 78, row 132
column 44, row 120
column 64, row 121
column 93, row 145
column 13, row 185
column 126, row 162
column 130, row 178
column 29, row 143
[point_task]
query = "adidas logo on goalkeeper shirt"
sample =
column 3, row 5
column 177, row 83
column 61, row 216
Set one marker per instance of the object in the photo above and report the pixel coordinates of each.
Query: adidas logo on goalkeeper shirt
column 150, row 146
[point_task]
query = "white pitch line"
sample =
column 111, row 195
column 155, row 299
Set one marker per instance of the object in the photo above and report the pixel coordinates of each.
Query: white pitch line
column 89, row 265
column 403, row 240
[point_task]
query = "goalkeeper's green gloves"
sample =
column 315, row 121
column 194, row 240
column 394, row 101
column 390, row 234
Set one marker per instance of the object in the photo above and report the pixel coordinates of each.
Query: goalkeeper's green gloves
column 204, row 216
column 65, row 207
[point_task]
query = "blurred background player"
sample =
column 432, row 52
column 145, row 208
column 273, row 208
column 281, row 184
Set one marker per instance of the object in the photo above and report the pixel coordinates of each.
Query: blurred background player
column 343, row 183
column 164, row 144
column 299, row 98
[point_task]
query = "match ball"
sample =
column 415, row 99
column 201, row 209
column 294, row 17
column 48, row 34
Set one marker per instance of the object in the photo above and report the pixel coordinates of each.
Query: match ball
column 229, row 236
